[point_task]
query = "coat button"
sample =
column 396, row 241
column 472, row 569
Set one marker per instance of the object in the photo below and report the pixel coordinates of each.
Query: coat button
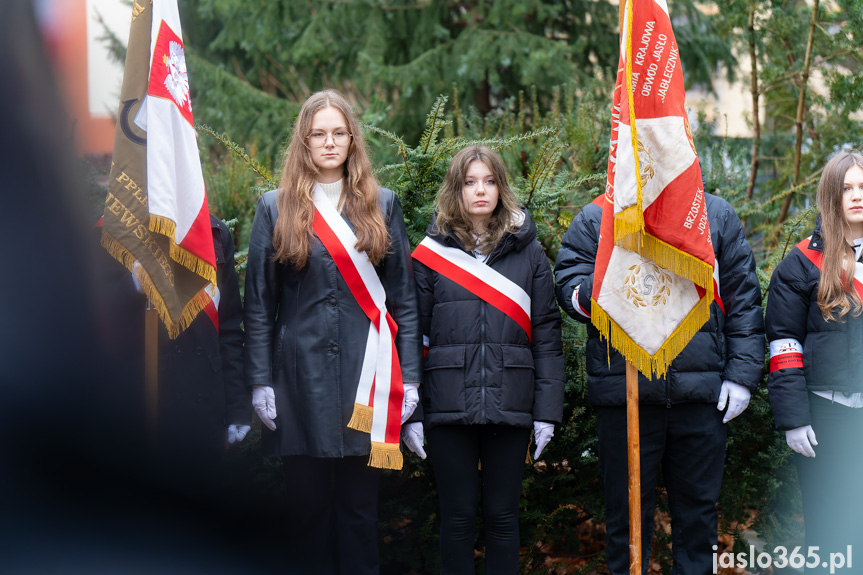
column 333, row 301
column 334, row 349
column 178, row 349
column 199, row 350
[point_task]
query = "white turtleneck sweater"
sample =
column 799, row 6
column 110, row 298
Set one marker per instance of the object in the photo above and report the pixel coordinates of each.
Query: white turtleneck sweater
column 334, row 193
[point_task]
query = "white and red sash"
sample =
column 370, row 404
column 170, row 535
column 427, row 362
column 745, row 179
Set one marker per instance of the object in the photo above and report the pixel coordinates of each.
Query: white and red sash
column 788, row 353
column 817, row 258
column 377, row 407
column 478, row 278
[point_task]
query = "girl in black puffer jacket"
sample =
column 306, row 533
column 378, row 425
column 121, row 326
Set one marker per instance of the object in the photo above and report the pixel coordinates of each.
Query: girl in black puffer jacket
column 815, row 330
column 494, row 367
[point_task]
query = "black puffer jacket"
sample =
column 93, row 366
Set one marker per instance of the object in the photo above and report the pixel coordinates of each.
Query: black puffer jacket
column 730, row 346
column 306, row 335
column 481, row 367
column 832, row 358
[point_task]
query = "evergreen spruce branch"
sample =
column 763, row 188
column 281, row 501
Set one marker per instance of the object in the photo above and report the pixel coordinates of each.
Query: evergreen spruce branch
column 444, row 147
column 402, row 147
column 793, row 227
column 779, row 195
column 584, row 179
column 543, row 167
column 240, row 153
column 387, row 134
column 434, row 122
column 499, row 143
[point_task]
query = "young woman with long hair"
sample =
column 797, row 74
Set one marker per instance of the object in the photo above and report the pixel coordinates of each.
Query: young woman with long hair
column 494, row 369
column 815, row 330
column 332, row 340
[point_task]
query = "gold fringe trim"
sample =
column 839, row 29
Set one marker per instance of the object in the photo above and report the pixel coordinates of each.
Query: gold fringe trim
column 671, row 258
column 657, row 364
column 361, row 419
column 631, row 105
column 166, row 227
column 119, row 252
column 628, row 222
column 385, row 456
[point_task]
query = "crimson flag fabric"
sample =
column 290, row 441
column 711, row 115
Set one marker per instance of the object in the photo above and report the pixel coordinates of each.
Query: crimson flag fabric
column 653, row 282
column 156, row 210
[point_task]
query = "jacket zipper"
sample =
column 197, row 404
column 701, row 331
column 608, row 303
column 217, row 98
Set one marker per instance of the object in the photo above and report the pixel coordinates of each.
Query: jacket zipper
column 482, row 361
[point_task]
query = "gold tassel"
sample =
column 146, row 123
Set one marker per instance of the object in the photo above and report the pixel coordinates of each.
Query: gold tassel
column 166, row 227
column 162, row 225
column 361, row 419
column 655, row 365
column 191, row 309
column 629, row 221
column 385, row 456
column 671, row 258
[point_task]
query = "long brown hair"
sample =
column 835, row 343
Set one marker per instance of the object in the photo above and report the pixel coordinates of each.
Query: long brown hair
column 836, row 293
column 292, row 236
column 452, row 218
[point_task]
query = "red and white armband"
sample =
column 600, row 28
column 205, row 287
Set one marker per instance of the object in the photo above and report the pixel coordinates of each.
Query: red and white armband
column 785, row 354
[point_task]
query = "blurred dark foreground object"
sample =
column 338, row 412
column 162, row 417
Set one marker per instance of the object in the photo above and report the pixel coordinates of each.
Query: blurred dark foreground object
column 79, row 491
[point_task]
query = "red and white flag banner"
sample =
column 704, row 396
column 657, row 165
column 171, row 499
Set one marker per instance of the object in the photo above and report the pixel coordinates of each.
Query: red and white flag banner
column 653, row 283
column 156, row 211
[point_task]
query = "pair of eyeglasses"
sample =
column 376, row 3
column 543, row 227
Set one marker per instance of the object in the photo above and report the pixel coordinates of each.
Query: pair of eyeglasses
column 319, row 139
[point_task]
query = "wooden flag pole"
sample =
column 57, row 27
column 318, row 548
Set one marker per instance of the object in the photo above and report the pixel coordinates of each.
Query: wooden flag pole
column 633, row 435
column 151, row 367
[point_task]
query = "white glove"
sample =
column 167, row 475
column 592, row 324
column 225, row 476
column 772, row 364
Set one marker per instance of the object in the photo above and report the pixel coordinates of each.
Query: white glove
column 136, row 269
column 264, row 402
column 801, row 440
column 236, row 433
column 412, row 433
column 542, row 434
column 737, row 398
column 412, row 398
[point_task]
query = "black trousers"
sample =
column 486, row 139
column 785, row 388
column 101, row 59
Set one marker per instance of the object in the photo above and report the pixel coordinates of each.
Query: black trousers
column 456, row 452
column 333, row 514
column 830, row 486
column 685, row 441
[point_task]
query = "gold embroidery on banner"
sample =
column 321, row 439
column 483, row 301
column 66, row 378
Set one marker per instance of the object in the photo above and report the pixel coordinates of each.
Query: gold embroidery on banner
column 647, row 172
column 136, row 10
column 654, row 283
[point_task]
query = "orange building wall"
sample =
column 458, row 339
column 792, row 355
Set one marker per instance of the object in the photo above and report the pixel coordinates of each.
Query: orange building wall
column 93, row 136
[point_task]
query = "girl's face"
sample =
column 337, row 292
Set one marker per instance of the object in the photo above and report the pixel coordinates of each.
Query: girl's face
column 329, row 141
column 479, row 194
column 852, row 201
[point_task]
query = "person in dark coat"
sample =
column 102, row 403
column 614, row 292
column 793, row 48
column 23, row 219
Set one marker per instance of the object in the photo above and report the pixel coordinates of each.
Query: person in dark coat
column 816, row 369
column 203, row 400
column 491, row 374
column 309, row 339
column 681, row 414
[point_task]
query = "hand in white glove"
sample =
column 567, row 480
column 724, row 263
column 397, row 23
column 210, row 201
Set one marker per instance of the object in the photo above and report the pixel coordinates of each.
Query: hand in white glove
column 801, row 440
column 136, row 269
column 737, row 398
column 412, row 398
column 412, row 433
column 264, row 402
column 236, row 433
column 542, row 434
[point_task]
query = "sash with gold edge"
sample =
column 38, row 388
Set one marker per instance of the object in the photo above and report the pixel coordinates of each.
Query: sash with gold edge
column 377, row 407
column 478, row 278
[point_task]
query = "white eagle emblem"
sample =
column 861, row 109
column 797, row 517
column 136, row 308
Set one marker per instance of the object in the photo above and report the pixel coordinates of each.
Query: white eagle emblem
column 177, row 80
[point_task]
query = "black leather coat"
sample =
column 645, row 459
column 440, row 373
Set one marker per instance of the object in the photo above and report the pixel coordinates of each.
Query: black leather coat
column 481, row 367
column 729, row 346
column 306, row 335
column 831, row 350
